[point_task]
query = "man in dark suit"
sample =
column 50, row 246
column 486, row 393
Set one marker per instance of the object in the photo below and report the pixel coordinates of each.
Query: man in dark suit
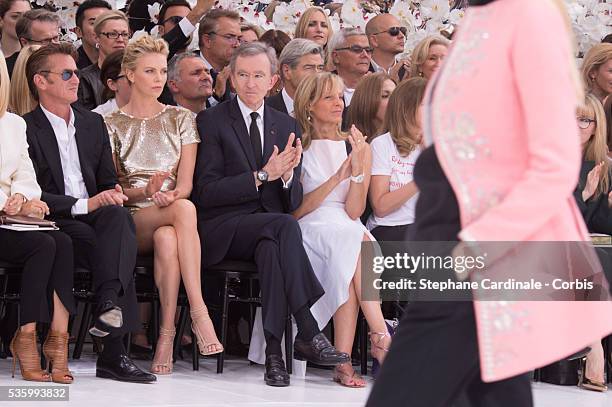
column 71, row 153
column 299, row 59
column 245, row 188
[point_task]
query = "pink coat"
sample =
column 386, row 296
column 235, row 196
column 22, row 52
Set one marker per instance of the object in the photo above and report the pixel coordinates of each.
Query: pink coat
column 502, row 117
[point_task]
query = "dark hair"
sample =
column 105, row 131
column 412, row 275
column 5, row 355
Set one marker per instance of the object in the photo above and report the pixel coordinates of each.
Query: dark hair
column 138, row 15
column 111, row 68
column 5, row 5
column 277, row 39
column 24, row 24
column 38, row 61
column 171, row 3
column 209, row 22
column 86, row 5
column 607, row 38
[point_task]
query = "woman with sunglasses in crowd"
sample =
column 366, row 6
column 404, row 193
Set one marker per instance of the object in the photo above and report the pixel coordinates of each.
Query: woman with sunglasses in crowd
column 112, row 34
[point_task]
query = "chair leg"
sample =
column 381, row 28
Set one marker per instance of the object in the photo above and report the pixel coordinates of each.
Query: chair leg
column 179, row 332
column 363, row 344
column 155, row 322
column 289, row 343
column 78, row 346
column 224, row 312
column 195, row 354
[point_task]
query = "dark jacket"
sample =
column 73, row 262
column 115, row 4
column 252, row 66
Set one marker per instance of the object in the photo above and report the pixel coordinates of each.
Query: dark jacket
column 595, row 211
column 224, row 187
column 277, row 102
column 95, row 156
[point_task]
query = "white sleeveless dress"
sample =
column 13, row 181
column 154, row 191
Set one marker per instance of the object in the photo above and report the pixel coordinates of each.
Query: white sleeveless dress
column 331, row 238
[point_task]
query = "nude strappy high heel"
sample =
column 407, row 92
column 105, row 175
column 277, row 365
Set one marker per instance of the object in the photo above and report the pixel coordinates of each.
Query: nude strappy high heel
column 201, row 325
column 166, row 339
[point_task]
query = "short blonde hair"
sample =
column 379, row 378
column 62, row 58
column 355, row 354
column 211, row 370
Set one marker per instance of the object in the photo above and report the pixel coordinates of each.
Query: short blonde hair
column 421, row 51
column 107, row 16
column 598, row 55
column 5, row 85
column 20, row 99
column 302, row 24
column 310, row 91
column 140, row 47
column 596, row 148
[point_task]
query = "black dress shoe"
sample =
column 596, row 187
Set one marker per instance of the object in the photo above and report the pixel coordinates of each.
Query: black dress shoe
column 109, row 316
column 319, row 351
column 276, row 374
column 123, row 369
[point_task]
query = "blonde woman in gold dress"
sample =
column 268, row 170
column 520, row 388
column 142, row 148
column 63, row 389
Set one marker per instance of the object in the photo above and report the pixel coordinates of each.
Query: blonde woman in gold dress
column 154, row 148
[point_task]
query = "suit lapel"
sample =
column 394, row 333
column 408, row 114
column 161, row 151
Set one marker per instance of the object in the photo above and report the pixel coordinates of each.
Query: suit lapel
column 270, row 135
column 242, row 133
column 83, row 138
column 48, row 144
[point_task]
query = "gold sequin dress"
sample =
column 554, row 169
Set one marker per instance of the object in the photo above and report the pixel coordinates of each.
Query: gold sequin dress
column 142, row 147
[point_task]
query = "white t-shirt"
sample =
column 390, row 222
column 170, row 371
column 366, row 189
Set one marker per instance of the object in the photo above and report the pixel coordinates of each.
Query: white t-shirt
column 386, row 160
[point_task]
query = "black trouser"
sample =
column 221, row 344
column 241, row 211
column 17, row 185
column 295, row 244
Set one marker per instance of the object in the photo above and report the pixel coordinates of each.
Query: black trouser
column 48, row 266
column 396, row 233
column 274, row 242
column 105, row 243
column 434, row 359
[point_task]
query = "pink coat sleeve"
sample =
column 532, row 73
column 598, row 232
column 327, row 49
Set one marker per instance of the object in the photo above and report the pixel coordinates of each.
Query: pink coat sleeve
column 540, row 58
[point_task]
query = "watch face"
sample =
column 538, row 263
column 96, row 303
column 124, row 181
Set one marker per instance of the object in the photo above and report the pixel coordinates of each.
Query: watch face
column 262, row 176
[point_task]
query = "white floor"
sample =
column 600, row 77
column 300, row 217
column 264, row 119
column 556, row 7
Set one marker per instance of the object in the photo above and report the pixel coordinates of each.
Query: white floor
column 242, row 385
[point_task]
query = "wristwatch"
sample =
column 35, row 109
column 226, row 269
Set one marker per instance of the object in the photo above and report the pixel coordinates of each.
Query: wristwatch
column 262, row 175
column 358, row 179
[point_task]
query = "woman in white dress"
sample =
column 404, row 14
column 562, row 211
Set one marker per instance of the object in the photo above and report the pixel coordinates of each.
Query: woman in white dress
column 335, row 187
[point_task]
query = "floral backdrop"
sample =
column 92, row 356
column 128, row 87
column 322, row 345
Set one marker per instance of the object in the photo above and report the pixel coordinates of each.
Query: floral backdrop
column 591, row 19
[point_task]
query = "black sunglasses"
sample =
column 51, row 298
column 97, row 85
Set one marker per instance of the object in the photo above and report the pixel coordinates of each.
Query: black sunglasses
column 356, row 49
column 66, row 74
column 394, row 31
column 174, row 19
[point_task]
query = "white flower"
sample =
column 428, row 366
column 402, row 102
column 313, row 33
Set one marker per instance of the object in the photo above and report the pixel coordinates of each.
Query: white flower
column 138, row 34
column 283, row 18
column 154, row 12
column 335, row 22
column 456, row 16
column 352, row 14
column 402, row 10
column 435, row 9
column 41, row 2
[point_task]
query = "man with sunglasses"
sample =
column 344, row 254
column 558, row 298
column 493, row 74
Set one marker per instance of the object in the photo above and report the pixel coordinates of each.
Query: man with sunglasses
column 351, row 55
column 387, row 38
column 219, row 35
column 35, row 27
column 70, row 149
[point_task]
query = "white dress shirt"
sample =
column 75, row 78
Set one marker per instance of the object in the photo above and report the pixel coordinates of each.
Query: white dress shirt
column 348, row 96
column 211, row 100
column 186, row 27
column 74, row 184
column 288, row 103
column 246, row 115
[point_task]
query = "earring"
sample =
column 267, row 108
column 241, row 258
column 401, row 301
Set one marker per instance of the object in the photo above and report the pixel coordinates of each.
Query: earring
column 421, row 74
column 309, row 118
column 97, row 45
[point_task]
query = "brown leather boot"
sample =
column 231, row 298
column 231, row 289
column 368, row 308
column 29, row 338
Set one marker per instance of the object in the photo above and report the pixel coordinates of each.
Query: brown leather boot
column 55, row 350
column 24, row 348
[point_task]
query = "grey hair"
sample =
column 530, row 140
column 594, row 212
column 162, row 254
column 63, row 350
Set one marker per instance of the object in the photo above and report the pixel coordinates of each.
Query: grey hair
column 252, row 49
column 296, row 49
column 339, row 38
column 173, row 65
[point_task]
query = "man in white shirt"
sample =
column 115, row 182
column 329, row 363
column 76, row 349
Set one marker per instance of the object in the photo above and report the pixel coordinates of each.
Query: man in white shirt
column 189, row 81
column 71, row 153
column 299, row 59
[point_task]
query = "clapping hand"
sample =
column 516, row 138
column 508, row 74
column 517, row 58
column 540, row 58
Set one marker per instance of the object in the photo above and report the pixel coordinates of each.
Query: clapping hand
column 282, row 164
column 297, row 155
column 592, row 181
column 344, row 171
column 358, row 148
column 155, row 183
column 13, row 204
column 165, row 198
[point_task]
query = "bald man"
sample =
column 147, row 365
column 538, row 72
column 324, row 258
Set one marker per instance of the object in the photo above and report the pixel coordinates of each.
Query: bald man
column 387, row 37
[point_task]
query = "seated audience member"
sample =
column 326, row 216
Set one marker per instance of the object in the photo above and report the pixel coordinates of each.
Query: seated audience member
column 218, row 36
column 427, row 56
column 20, row 97
column 369, row 104
column 189, row 82
column 276, row 39
column 594, row 198
column 46, row 257
column 85, row 17
column 608, row 112
column 597, row 71
column 299, row 59
column 117, row 88
column 112, row 34
column 387, row 38
column 244, row 187
column 314, row 25
column 71, row 153
column 35, row 27
column 249, row 33
column 393, row 193
column 10, row 11
column 154, row 150
column 335, row 185
column 351, row 54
